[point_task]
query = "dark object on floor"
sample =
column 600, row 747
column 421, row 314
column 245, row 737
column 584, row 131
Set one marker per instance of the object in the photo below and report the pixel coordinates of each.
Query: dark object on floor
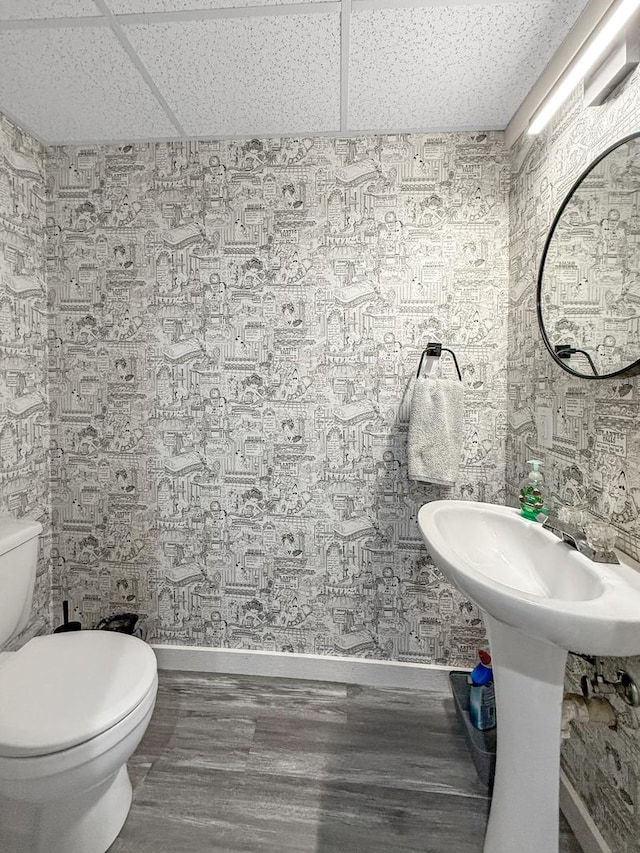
column 124, row 623
column 66, row 625
column 482, row 744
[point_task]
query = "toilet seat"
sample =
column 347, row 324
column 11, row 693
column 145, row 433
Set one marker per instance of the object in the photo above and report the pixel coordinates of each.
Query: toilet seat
column 62, row 690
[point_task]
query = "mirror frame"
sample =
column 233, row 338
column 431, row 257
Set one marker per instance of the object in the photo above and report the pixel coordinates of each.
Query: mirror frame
column 632, row 369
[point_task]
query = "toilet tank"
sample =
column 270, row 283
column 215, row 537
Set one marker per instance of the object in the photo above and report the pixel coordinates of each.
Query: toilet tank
column 18, row 561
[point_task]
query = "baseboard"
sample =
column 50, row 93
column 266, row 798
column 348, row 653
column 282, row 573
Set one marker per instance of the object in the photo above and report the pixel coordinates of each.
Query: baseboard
column 579, row 819
column 374, row 673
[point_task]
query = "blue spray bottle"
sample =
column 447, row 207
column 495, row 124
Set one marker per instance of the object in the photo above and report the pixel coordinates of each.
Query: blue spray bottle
column 482, row 697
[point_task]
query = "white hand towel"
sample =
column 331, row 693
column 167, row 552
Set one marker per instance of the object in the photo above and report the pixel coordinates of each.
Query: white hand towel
column 435, row 430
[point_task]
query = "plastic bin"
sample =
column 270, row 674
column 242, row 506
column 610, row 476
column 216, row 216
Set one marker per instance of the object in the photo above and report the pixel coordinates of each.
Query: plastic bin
column 482, row 745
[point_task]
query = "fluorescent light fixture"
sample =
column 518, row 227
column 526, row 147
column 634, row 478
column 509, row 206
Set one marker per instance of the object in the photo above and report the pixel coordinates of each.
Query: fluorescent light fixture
column 583, row 63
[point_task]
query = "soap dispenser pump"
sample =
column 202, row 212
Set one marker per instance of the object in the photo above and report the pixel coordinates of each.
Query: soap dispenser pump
column 531, row 500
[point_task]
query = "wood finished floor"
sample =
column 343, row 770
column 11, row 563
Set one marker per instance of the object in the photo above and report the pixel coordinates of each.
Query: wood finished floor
column 265, row 765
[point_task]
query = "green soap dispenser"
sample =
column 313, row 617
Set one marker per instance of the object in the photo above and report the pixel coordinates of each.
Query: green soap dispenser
column 531, row 500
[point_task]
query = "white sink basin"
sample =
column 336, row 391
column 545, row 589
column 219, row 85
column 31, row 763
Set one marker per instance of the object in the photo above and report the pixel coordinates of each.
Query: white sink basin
column 523, row 575
column 540, row 599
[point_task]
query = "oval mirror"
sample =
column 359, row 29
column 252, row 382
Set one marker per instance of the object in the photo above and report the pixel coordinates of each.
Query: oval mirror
column 589, row 282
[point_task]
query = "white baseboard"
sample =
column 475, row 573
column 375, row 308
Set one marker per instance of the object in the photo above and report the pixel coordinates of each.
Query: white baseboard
column 579, row 819
column 347, row 670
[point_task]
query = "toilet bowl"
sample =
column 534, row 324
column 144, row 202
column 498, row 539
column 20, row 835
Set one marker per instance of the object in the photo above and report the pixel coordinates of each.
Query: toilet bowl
column 80, row 704
column 73, row 708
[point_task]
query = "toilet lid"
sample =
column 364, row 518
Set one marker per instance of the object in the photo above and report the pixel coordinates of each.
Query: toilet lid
column 64, row 689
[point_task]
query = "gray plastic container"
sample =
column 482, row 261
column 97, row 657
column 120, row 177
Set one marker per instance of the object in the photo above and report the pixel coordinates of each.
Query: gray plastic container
column 482, row 745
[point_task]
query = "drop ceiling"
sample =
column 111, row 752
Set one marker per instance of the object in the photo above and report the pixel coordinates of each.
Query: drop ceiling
column 90, row 71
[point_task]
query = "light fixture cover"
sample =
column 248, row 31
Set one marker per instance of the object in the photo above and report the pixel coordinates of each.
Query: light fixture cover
column 594, row 50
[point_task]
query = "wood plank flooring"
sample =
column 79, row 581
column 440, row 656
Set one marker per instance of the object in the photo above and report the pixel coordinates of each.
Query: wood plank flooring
column 236, row 764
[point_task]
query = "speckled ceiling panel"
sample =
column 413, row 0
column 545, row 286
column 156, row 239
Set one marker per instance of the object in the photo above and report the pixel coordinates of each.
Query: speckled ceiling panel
column 123, row 7
column 25, row 9
column 76, row 84
column 456, row 67
column 247, row 76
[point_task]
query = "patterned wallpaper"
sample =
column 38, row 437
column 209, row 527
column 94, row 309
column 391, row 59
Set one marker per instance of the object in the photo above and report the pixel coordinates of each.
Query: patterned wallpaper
column 233, row 326
column 24, row 430
column 585, row 431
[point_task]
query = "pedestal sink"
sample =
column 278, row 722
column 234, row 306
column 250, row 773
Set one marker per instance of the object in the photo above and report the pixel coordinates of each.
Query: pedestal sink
column 540, row 599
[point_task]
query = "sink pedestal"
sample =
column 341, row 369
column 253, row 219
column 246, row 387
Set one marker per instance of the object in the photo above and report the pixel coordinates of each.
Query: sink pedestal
column 529, row 684
column 520, row 574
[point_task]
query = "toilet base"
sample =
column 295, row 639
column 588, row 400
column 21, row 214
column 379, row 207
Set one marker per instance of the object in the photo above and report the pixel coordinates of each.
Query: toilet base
column 88, row 822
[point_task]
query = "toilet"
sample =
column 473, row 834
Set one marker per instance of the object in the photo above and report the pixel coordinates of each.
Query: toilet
column 73, row 708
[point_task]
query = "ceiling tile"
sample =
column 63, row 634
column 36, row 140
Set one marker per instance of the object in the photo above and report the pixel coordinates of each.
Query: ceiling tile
column 123, row 7
column 14, row 10
column 76, row 84
column 450, row 67
column 245, row 76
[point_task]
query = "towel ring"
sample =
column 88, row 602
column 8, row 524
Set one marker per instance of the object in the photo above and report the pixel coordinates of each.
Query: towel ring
column 434, row 350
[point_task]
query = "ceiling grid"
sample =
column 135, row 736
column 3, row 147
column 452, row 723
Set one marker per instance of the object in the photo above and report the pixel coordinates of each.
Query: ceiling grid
column 135, row 59
column 115, row 71
column 345, row 28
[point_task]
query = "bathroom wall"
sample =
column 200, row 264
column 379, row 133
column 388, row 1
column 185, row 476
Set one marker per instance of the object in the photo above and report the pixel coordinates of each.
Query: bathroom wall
column 24, row 430
column 233, row 328
column 586, row 432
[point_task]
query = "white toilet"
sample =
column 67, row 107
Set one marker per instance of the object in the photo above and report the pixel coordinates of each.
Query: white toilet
column 73, row 708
